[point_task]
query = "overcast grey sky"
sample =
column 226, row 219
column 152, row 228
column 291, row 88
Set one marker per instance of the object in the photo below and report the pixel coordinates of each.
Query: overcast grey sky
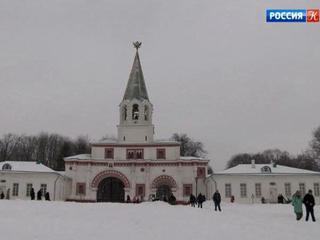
column 214, row 70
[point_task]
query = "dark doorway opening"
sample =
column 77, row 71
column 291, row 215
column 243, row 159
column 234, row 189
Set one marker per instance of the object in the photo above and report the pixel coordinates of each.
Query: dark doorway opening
column 163, row 192
column 110, row 190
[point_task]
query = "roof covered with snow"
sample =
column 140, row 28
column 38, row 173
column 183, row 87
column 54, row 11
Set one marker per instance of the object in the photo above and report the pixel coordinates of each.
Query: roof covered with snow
column 79, row 157
column 265, row 169
column 24, row 167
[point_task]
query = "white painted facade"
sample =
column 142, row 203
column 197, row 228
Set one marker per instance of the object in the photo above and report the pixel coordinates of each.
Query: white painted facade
column 252, row 177
column 15, row 180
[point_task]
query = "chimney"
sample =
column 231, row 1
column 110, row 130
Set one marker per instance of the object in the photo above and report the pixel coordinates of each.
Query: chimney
column 253, row 163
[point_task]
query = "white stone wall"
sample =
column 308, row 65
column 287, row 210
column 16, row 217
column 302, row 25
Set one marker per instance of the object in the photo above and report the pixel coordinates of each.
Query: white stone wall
column 219, row 181
column 181, row 174
column 58, row 186
column 135, row 133
column 150, row 153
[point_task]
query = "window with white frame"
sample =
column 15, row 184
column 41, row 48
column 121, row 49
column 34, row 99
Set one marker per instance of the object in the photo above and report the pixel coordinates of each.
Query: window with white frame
column 287, row 189
column 15, row 189
column 258, row 189
column 316, row 189
column 228, row 191
column 243, row 190
column 43, row 188
column 28, row 190
column 302, row 188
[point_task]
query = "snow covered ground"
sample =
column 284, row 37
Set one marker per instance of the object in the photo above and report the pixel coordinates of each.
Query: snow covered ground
column 35, row 220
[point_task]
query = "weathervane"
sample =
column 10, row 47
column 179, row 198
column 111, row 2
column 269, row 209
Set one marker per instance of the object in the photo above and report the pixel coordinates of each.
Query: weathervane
column 137, row 45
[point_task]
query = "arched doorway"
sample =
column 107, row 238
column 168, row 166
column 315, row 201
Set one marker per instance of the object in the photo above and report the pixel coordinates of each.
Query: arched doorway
column 110, row 189
column 164, row 186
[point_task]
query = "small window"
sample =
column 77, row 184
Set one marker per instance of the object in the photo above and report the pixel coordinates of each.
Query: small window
column 135, row 112
column 287, row 189
column 316, row 189
column 6, row 166
column 108, row 153
column 187, row 190
column 228, row 191
column 28, row 190
column 134, row 153
column 258, row 190
column 81, row 189
column 124, row 113
column 201, row 172
column 161, row 153
column 140, row 190
column 43, row 188
column 302, row 188
column 243, row 190
column 15, row 189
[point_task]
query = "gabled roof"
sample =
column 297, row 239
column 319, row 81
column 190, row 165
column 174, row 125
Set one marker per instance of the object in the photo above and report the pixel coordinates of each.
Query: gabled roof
column 136, row 87
column 248, row 169
column 25, row 167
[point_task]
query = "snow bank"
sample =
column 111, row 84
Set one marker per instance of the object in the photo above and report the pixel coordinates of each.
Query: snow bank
column 35, row 220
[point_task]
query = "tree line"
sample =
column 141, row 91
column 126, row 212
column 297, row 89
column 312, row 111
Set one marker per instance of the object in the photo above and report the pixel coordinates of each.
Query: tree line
column 308, row 159
column 46, row 148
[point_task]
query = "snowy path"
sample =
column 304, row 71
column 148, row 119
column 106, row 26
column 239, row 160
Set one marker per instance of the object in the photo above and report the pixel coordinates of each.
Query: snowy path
column 26, row 220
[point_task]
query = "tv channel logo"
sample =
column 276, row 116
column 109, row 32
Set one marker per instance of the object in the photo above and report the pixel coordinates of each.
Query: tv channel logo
column 292, row 15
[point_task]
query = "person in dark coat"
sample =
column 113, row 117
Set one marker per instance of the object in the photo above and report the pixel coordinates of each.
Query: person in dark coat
column 128, row 199
column 39, row 195
column 217, row 200
column 308, row 201
column 47, row 196
column 200, row 200
column 2, row 195
column 192, row 200
column 172, row 199
column 280, row 198
column 32, row 194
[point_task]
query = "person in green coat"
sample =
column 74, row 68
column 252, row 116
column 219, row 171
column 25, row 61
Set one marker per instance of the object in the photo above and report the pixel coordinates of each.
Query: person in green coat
column 297, row 205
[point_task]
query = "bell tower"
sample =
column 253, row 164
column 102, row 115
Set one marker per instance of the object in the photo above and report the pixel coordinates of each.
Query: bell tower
column 135, row 109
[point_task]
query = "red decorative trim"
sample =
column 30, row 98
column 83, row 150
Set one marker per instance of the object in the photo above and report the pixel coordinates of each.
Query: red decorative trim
column 110, row 173
column 164, row 179
column 122, row 163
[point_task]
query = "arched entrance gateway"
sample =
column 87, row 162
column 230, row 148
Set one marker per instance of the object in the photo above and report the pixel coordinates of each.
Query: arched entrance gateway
column 110, row 186
column 164, row 185
column 110, row 190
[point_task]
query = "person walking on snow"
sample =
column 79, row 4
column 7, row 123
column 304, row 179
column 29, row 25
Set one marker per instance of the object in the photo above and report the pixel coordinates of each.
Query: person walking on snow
column 200, row 200
column 297, row 205
column 308, row 201
column 192, row 200
column 217, row 200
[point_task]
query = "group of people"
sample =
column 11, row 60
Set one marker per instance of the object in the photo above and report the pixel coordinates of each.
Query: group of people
column 308, row 201
column 39, row 195
column 32, row 195
column 201, row 198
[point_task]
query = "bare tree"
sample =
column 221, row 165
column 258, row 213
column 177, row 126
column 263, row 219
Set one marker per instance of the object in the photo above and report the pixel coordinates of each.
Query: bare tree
column 189, row 147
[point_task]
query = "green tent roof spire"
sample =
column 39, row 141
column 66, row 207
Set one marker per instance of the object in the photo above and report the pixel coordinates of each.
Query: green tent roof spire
column 136, row 87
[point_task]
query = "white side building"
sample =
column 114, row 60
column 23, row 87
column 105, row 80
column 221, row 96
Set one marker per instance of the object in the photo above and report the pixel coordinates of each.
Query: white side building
column 17, row 179
column 248, row 183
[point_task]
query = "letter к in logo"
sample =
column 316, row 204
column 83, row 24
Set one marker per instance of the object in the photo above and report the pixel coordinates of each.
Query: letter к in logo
column 312, row 15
